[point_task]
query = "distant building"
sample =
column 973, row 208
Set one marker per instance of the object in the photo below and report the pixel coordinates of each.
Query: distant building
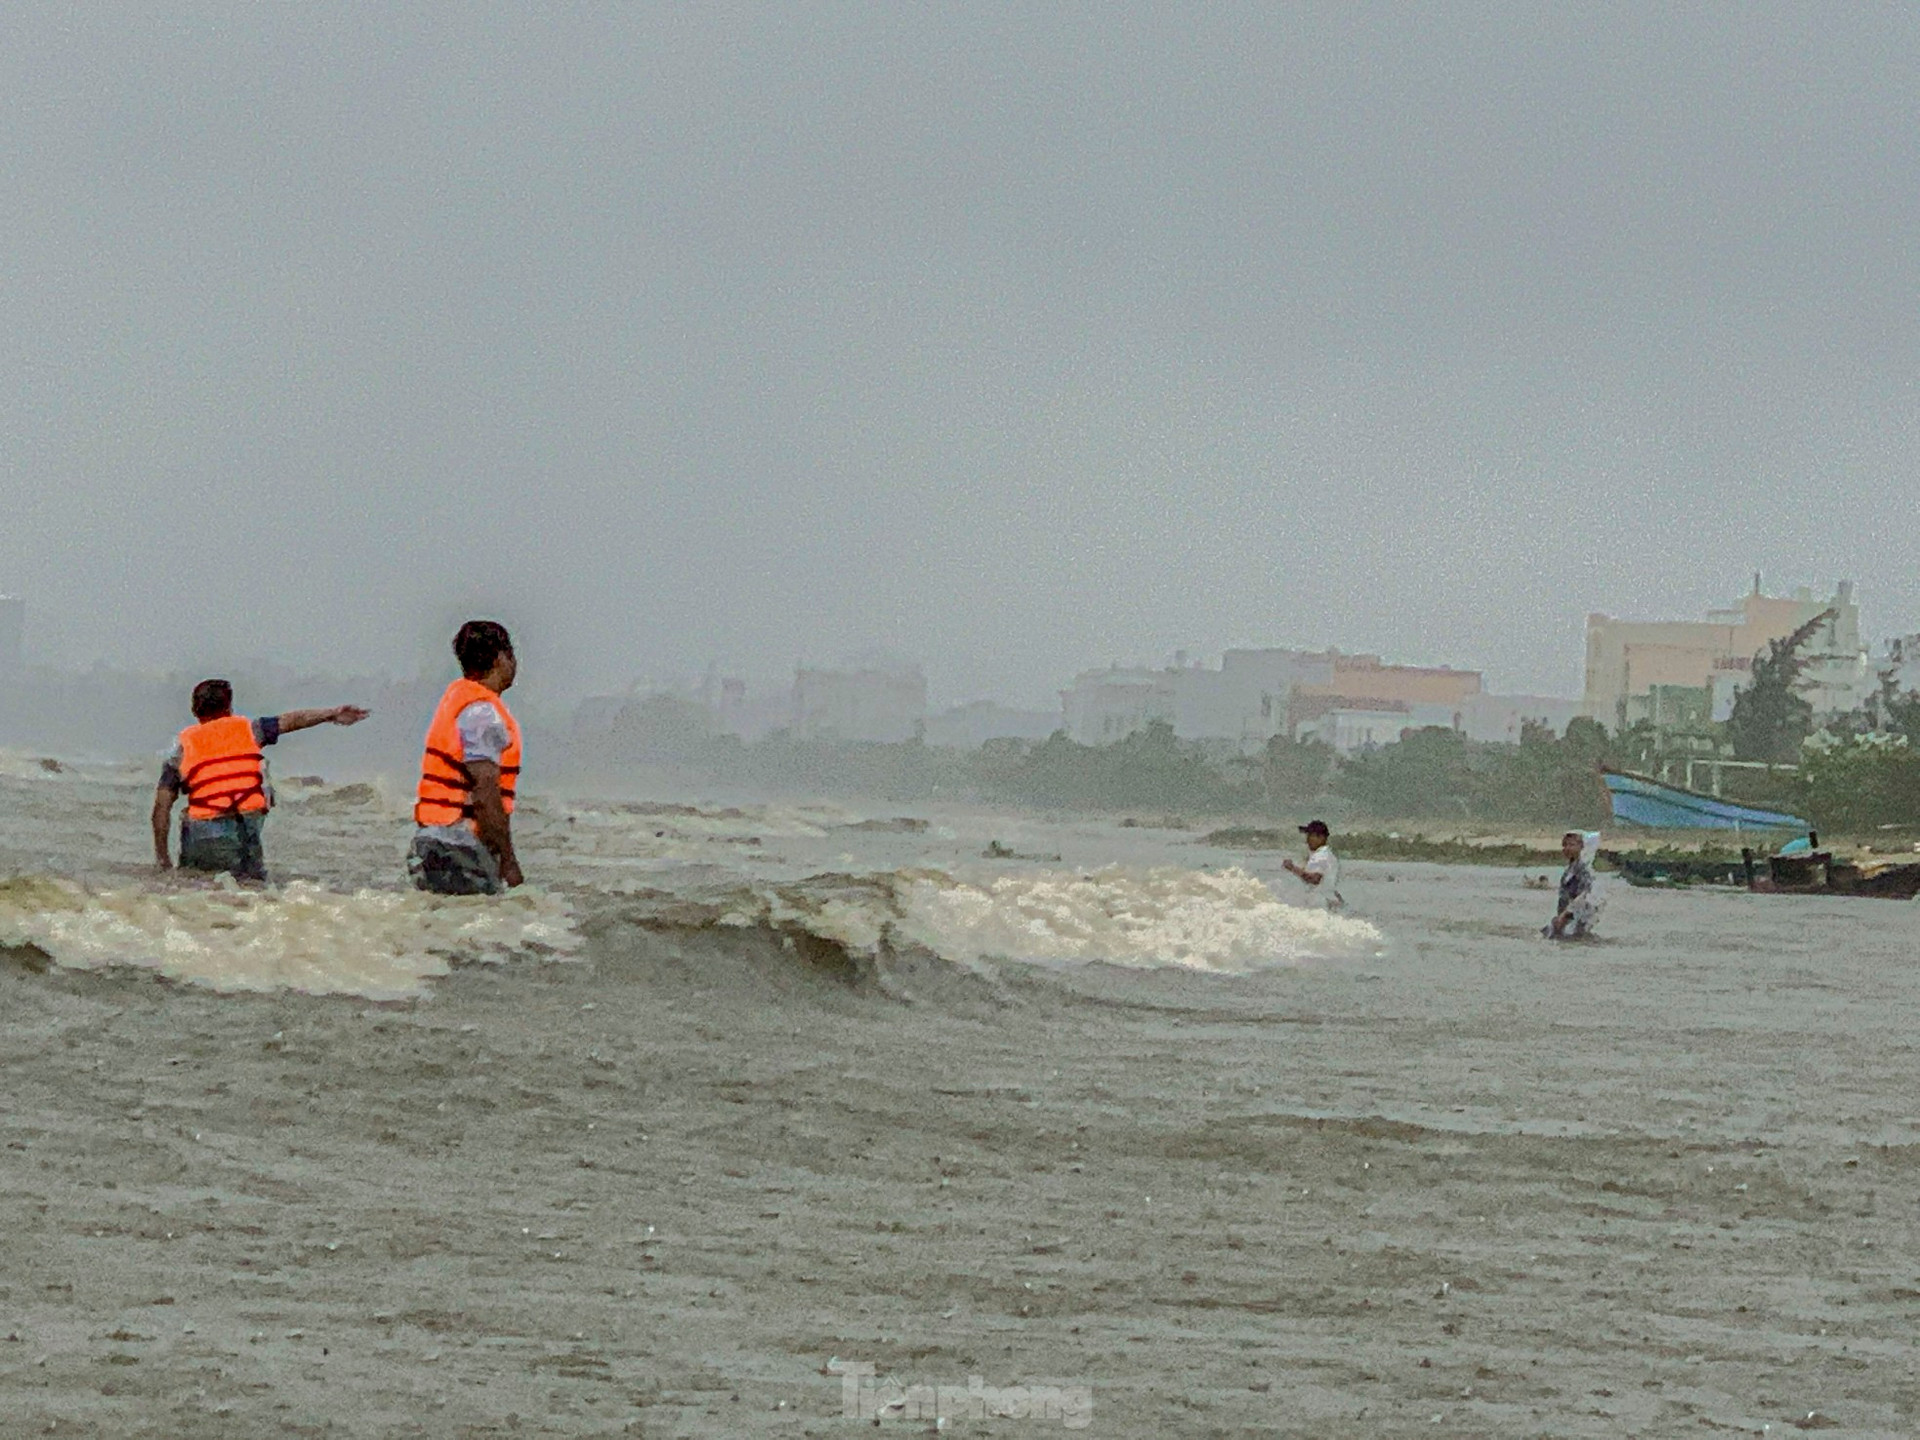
column 1672, row 709
column 1901, row 668
column 1244, row 702
column 661, row 725
column 879, row 701
column 643, row 726
column 1492, row 719
column 595, row 714
column 13, row 614
column 1351, row 731
column 750, row 717
column 1728, row 679
column 1246, row 699
column 1498, row 719
column 968, row 727
column 1258, row 694
column 1416, row 684
column 1361, row 683
column 1102, row 706
column 1627, row 661
column 734, row 713
column 1276, row 671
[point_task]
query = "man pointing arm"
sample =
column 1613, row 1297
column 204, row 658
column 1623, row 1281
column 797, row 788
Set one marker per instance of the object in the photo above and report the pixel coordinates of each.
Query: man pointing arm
column 219, row 764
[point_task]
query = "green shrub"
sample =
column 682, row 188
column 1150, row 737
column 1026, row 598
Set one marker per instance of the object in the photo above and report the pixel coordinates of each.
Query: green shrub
column 1858, row 782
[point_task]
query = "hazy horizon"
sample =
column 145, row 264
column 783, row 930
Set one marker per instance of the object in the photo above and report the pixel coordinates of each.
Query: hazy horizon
column 1015, row 342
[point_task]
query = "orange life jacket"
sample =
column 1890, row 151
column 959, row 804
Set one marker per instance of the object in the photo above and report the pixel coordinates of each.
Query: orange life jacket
column 221, row 769
column 445, row 795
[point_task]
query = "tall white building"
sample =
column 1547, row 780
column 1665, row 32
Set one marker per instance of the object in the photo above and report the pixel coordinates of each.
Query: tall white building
column 1629, row 661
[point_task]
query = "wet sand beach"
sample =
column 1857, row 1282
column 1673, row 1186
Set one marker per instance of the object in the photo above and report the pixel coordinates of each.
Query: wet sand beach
column 655, row 1179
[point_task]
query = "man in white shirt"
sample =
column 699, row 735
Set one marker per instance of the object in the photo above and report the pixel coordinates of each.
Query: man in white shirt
column 1321, row 873
column 469, row 771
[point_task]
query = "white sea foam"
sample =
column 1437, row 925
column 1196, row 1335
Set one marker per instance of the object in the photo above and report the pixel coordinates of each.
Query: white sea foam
column 1163, row 916
column 1226, row 921
column 383, row 945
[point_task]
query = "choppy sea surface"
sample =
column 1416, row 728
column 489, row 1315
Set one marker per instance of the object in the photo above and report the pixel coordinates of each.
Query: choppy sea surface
column 942, row 904
column 884, row 894
column 1411, row 1170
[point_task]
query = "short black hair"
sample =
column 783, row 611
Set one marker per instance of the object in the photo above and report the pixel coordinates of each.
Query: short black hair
column 479, row 644
column 212, row 699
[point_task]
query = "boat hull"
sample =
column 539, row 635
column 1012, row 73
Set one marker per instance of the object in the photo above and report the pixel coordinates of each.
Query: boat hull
column 1643, row 872
column 1817, row 873
column 1642, row 800
column 1821, row 874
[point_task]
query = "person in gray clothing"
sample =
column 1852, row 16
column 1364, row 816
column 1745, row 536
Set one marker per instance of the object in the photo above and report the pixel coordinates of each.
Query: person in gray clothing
column 1574, row 910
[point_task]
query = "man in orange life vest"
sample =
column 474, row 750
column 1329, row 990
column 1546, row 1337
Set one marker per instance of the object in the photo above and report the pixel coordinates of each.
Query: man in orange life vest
column 464, row 841
column 218, row 764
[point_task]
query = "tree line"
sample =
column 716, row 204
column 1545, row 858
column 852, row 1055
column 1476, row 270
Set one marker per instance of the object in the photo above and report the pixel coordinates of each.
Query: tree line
column 1854, row 773
column 1860, row 778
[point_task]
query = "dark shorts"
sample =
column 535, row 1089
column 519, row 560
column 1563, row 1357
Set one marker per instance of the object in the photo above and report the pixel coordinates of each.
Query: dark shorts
column 449, row 869
column 230, row 844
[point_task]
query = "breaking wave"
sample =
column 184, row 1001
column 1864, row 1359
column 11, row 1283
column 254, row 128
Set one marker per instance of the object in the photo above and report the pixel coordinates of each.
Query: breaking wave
column 1225, row 922
column 687, row 869
column 383, row 945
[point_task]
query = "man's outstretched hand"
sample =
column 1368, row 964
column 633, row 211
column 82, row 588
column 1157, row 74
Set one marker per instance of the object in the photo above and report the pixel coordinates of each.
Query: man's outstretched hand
column 349, row 714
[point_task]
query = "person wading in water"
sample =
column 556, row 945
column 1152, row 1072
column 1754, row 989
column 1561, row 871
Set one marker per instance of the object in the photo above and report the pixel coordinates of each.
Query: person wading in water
column 463, row 843
column 1321, row 873
column 1574, row 911
column 218, row 764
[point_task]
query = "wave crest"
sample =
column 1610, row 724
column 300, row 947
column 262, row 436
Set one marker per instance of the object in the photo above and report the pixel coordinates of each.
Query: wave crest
column 1223, row 922
column 379, row 944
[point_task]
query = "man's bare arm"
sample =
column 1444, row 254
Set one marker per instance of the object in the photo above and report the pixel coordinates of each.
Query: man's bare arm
column 163, row 797
column 291, row 720
column 490, row 818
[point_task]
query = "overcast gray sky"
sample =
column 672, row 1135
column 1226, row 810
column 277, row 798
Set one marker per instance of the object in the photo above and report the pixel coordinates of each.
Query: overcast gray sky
column 1014, row 339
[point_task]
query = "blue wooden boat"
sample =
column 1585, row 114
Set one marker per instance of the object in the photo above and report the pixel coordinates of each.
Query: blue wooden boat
column 1799, row 868
column 1639, row 800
